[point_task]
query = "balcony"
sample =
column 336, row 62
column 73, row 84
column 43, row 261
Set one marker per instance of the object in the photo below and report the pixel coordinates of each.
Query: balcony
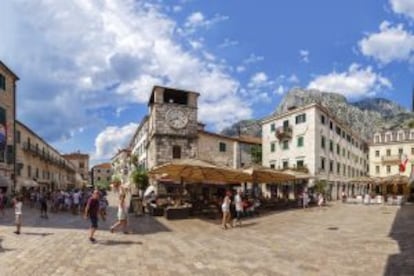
column 284, row 132
column 391, row 160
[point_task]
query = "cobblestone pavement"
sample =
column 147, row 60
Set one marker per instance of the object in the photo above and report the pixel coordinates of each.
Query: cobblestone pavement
column 337, row 240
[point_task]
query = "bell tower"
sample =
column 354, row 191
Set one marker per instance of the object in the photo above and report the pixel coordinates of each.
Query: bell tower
column 172, row 125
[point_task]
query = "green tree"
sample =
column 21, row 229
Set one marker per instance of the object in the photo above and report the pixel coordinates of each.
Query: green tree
column 320, row 186
column 140, row 179
column 256, row 154
column 102, row 185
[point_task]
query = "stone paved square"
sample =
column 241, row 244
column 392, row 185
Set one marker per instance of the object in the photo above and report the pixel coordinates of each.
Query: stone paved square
column 336, row 240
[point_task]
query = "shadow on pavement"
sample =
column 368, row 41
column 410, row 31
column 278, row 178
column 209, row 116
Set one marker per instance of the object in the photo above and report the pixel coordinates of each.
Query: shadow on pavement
column 66, row 220
column 117, row 242
column 402, row 231
column 36, row 234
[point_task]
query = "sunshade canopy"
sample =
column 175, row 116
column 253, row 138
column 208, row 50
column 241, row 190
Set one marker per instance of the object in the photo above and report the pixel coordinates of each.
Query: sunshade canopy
column 260, row 174
column 198, row 171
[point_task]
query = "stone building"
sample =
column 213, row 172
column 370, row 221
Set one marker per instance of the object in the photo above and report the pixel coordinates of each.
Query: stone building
column 310, row 136
column 172, row 125
column 388, row 150
column 121, row 164
column 38, row 164
column 81, row 163
column 138, row 145
column 8, row 81
column 101, row 173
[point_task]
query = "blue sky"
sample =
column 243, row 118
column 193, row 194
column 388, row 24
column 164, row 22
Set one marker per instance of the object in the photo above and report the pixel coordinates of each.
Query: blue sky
column 86, row 68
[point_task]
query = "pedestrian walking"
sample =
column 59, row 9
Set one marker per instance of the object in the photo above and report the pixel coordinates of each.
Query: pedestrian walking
column 18, row 205
column 121, row 215
column 91, row 212
column 238, row 202
column 320, row 199
column 305, row 199
column 2, row 202
column 225, row 208
column 43, row 205
column 103, row 204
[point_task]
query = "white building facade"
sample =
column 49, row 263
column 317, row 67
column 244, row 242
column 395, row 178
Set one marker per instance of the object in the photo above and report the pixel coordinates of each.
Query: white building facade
column 389, row 149
column 311, row 137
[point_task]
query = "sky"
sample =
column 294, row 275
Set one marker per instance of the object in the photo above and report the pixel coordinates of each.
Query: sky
column 87, row 68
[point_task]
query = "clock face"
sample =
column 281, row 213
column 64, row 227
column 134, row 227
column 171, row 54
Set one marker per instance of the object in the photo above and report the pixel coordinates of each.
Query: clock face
column 176, row 118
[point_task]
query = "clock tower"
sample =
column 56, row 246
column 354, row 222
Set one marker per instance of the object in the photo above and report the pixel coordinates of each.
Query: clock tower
column 172, row 125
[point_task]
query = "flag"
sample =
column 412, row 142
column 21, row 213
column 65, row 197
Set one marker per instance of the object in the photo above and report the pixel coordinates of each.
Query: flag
column 404, row 160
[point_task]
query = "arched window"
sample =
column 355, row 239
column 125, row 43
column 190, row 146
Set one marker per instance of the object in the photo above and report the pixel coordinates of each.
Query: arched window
column 176, row 152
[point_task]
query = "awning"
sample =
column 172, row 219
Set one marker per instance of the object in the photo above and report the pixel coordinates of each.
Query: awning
column 28, row 183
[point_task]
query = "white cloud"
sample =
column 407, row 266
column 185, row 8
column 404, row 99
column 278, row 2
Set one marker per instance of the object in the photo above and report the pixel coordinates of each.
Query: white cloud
column 405, row 7
column 89, row 55
column 280, row 90
column 304, row 56
column 392, row 43
column 111, row 139
column 197, row 20
column 240, row 68
column 253, row 59
column 177, row 8
column 355, row 82
column 228, row 43
column 258, row 79
column 293, row 78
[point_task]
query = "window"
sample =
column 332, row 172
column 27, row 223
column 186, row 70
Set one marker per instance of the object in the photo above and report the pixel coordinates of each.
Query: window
column 81, row 165
column 18, row 137
column 222, row 147
column 99, row 178
column 400, row 151
column 29, row 171
column 272, row 166
column 388, row 138
column 330, row 125
column 322, row 163
column 285, row 124
column 285, row 164
column 338, row 130
column 400, row 136
column 323, row 142
column 377, row 153
column 300, row 141
column 299, row 164
column 272, row 147
column 301, row 118
column 377, row 139
column 338, row 168
column 272, row 127
column 338, row 149
column 331, row 166
column 377, row 169
column 99, row 170
column 37, row 173
column 323, row 119
column 2, row 82
column 388, row 169
column 343, row 152
column 330, row 145
column 344, row 169
column 388, row 152
column 285, row 144
column 177, row 151
column 108, row 171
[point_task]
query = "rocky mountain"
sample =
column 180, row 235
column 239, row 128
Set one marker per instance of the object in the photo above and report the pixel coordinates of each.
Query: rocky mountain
column 365, row 116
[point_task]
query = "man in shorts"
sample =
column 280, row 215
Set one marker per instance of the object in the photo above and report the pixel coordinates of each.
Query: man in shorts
column 92, row 211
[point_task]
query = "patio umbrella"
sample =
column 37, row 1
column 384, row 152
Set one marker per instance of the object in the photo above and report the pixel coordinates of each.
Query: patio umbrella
column 197, row 171
column 260, row 174
column 298, row 174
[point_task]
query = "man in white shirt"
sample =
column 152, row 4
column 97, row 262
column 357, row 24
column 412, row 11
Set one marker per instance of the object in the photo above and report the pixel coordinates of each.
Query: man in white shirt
column 76, row 197
column 18, row 204
column 238, row 202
